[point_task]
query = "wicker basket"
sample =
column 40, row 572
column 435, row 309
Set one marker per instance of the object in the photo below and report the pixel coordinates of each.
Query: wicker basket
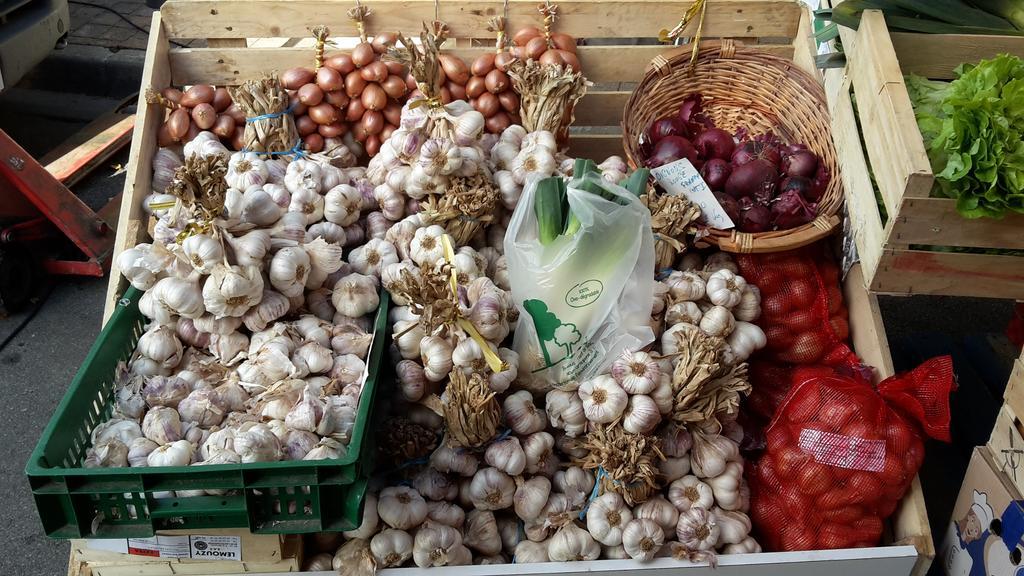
column 743, row 87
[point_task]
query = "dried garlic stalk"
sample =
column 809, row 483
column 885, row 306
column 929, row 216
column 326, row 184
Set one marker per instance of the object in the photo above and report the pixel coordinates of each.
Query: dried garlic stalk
column 471, row 411
column 430, row 297
column 407, row 440
column 423, row 63
column 275, row 133
column 672, row 219
column 465, row 208
column 630, row 461
column 548, row 95
column 703, row 388
column 200, row 185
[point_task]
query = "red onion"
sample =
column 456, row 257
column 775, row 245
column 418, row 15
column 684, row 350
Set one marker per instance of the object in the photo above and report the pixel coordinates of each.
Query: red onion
column 666, row 127
column 672, row 148
column 820, row 183
column 691, row 114
column 790, row 210
column 754, row 179
column 799, row 183
column 730, row 205
column 715, row 173
column 715, row 143
column 753, row 217
column 800, row 163
column 755, row 149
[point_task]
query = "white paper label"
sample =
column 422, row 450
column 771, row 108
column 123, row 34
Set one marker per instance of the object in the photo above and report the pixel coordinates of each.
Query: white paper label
column 195, row 547
column 216, row 547
column 843, row 451
column 680, row 178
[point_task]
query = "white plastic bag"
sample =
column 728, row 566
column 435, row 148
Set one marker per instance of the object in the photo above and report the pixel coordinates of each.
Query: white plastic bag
column 584, row 298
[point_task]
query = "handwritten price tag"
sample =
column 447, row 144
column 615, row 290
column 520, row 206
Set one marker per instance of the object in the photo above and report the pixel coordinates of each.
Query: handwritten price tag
column 680, row 178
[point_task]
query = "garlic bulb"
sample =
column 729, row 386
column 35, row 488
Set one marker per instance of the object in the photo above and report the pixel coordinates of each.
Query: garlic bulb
column 161, row 345
column 327, row 449
column 565, row 412
column 314, row 358
column 231, row 291
column 642, row 538
column 603, row 399
column 688, row 492
column 606, row 518
column 726, row 487
column 245, row 169
column 306, row 413
column 718, row 321
column 348, row 369
column 141, row 266
column 636, row 372
column 685, row 286
column 259, row 208
column 162, row 425
column 434, row 485
column 446, row 513
column 350, row 339
column 203, row 407
column 450, row 460
column 165, row 391
column 661, row 511
column 401, row 507
column 426, row 248
column 673, row 469
column 745, row 339
column 371, row 257
column 522, row 415
column 436, row 356
column 355, row 295
column 683, row 312
column 307, row 202
column 203, row 252
column 576, row 483
column 747, row 546
column 531, row 496
column 749, row 307
column 641, row 415
column 481, row 532
column 725, row 288
column 391, row 548
column 438, row 545
column 663, row 395
column 489, row 316
column 733, row 527
column 139, row 451
column 528, row 552
column 257, row 443
column 697, row 530
column 250, row 248
column 572, row 544
column 411, row 382
column 297, row 444
column 111, row 453
column 303, row 174
column 711, row 454
column 288, row 271
column 121, row 429
column 506, row 455
column 491, row 489
column 177, row 453
column 539, row 450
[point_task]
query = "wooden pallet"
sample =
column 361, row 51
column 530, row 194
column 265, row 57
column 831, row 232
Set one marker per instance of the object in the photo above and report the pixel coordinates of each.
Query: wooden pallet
column 778, row 26
column 881, row 134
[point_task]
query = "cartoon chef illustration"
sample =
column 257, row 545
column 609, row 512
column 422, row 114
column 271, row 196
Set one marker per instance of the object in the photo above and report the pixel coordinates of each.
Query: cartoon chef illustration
column 965, row 555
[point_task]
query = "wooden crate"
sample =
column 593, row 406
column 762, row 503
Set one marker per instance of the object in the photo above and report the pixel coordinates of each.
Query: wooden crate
column 881, row 133
column 1013, row 396
column 779, row 26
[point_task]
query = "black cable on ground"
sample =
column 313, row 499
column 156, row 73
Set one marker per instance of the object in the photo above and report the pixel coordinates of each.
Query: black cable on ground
column 25, row 322
column 121, row 16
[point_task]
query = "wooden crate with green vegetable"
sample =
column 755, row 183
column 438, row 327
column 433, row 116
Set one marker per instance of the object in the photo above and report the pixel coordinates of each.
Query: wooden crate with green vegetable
column 946, row 162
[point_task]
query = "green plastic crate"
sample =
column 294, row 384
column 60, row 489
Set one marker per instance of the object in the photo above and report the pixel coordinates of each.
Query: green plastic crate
column 291, row 497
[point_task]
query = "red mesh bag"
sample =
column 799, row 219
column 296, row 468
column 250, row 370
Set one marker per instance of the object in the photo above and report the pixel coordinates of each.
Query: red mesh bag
column 802, row 310
column 840, row 454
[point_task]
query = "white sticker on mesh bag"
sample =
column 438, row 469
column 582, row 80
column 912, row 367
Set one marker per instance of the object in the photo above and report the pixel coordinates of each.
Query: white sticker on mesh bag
column 843, row 451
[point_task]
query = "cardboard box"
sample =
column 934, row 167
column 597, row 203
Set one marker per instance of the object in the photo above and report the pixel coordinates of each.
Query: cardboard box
column 1006, row 446
column 986, row 533
column 200, row 545
column 1014, row 394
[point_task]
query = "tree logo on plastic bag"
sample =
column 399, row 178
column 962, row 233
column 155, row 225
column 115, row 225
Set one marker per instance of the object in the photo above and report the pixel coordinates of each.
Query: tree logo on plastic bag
column 556, row 338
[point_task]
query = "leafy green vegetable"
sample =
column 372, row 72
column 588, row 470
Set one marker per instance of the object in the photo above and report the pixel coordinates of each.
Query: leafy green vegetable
column 926, row 16
column 973, row 128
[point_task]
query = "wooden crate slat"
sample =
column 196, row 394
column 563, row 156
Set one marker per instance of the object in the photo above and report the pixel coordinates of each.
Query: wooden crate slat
column 220, row 66
column 894, row 144
column 935, row 56
column 920, row 272
column 935, row 221
column 580, row 18
column 130, row 227
column 597, row 147
column 865, row 220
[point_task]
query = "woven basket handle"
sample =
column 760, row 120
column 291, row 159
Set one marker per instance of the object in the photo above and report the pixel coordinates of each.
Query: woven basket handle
column 662, row 63
column 743, row 242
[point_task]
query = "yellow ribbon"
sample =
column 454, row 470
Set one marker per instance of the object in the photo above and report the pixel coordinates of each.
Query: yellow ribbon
column 494, row 362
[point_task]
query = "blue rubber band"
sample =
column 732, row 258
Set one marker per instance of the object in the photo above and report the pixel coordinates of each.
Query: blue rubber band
column 664, row 273
column 287, row 110
column 593, row 493
column 504, row 434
